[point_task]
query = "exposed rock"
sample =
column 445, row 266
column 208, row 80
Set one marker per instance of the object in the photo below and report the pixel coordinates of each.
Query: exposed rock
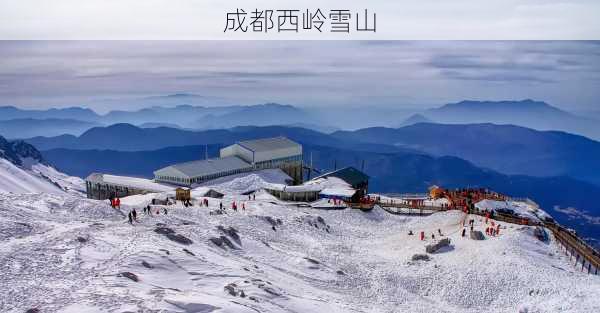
column 170, row 233
column 269, row 290
column 180, row 239
column 33, row 310
column 147, row 265
column 164, row 230
column 217, row 241
column 189, row 252
column 313, row 261
column 228, row 242
column 432, row 248
column 131, row 276
column 420, row 257
column 314, row 221
column 82, row 240
column 231, row 232
column 230, row 289
column 270, row 220
column 234, row 290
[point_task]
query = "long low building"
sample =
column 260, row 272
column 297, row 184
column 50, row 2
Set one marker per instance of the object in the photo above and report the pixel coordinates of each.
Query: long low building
column 243, row 156
column 104, row 186
column 195, row 172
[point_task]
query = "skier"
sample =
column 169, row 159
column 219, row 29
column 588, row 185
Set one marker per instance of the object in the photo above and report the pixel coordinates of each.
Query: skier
column 134, row 214
column 118, row 203
column 498, row 229
column 165, row 209
column 440, row 232
column 130, row 218
column 432, row 236
column 243, row 206
column 422, row 235
column 221, row 205
column 464, row 231
column 410, row 233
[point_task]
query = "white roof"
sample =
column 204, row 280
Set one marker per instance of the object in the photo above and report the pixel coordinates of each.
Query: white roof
column 332, row 186
column 204, row 167
column 133, row 182
column 268, row 144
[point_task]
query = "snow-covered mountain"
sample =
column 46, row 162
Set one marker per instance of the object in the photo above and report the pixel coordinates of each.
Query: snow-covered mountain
column 63, row 253
column 23, row 170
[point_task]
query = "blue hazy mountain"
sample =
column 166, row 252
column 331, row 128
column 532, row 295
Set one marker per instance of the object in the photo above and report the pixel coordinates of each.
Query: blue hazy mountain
column 258, row 115
column 183, row 115
column 390, row 172
column 126, row 137
column 505, row 148
column 415, row 119
column 29, row 127
column 528, row 113
column 73, row 113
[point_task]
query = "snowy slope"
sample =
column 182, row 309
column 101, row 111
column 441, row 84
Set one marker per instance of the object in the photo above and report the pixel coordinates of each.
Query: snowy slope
column 61, row 253
column 23, row 170
column 18, row 180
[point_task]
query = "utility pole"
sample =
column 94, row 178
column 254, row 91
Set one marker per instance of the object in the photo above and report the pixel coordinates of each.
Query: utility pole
column 310, row 169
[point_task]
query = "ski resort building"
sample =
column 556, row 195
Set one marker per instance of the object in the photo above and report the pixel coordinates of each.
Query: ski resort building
column 278, row 152
column 243, row 156
column 357, row 181
column 347, row 184
column 104, row 186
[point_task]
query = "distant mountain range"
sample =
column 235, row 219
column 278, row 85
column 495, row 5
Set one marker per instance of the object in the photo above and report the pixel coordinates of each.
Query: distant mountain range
column 74, row 113
column 29, row 127
column 126, row 137
column 505, row 148
column 528, row 113
column 16, row 123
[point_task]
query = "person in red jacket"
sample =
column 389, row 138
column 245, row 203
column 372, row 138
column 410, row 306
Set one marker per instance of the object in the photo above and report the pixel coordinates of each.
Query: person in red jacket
column 118, row 203
column 422, row 235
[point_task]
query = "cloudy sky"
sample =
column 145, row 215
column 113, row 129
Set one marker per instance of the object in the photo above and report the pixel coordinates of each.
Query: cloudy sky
column 410, row 74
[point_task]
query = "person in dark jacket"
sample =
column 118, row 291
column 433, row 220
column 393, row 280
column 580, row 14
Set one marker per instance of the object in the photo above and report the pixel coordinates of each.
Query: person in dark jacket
column 130, row 218
column 134, row 214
